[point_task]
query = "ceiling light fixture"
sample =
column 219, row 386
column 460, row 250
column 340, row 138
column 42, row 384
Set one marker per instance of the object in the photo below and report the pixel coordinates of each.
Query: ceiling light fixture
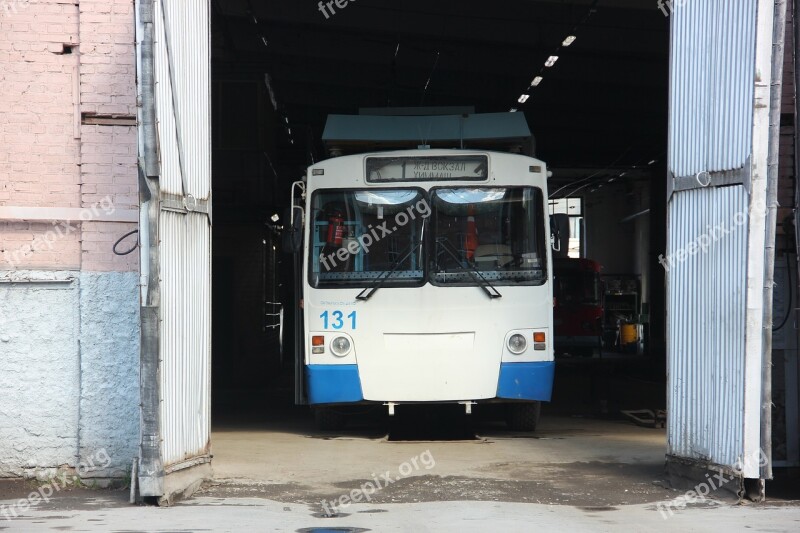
column 523, row 98
column 551, row 61
column 569, row 40
column 536, row 81
column 512, row 110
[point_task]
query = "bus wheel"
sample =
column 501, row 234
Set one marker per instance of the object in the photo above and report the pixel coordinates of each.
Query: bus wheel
column 329, row 419
column 523, row 416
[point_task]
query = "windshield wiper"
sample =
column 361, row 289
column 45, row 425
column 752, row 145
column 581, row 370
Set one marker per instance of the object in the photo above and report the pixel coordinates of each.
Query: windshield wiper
column 447, row 246
column 385, row 275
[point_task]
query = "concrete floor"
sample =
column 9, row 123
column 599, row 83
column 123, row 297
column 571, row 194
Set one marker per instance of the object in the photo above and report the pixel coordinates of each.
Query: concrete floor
column 569, row 460
column 257, row 515
column 278, row 473
column 275, row 472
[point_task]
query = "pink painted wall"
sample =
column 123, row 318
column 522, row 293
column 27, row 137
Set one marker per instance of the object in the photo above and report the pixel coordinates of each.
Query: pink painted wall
column 48, row 158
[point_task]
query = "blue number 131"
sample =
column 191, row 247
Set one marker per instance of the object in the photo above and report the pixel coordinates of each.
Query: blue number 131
column 338, row 320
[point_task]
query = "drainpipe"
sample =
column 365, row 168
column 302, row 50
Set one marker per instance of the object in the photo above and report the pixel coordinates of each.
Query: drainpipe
column 773, row 174
column 150, row 468
column 753, row 437
column 796, row 137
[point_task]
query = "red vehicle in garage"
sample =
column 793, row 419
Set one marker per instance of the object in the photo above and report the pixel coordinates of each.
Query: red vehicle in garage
column 578, row 313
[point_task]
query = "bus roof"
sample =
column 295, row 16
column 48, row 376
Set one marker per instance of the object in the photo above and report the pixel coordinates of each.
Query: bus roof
column 339, row 171
column 374, row 132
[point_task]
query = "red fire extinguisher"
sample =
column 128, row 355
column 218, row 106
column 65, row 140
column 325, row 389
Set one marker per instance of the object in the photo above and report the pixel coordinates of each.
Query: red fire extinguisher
column 335, row 229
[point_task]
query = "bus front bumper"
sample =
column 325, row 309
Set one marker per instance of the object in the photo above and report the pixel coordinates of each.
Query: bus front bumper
column 336, row 384
column 526, row 381
column 333, row 384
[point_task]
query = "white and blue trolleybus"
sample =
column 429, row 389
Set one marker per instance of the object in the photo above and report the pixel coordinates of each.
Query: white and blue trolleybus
column 426, row 278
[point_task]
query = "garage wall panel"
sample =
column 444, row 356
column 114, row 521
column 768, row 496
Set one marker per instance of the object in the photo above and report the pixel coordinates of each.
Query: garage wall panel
column 706, row 310
column 185, row 336
column 712, row 76
column 183, row 96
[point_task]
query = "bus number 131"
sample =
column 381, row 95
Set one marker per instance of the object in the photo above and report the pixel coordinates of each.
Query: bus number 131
column 335, row 320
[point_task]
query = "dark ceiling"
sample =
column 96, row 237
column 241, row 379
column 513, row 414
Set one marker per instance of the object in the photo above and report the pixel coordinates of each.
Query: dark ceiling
column 604, row 103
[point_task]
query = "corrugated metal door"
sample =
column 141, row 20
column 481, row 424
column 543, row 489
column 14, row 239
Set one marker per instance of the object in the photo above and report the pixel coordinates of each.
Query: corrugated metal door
column 182, row 75
column 707, row 323
column 717, row 167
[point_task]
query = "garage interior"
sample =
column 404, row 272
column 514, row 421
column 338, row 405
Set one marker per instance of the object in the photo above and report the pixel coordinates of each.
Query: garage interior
column 598, row 115
column 596, row 76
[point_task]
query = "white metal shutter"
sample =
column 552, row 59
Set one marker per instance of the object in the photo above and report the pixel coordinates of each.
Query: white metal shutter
column 719, row 131
column 183, row 85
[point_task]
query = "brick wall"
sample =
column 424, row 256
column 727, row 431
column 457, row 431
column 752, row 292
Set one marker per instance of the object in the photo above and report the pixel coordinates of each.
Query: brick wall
column 72, row 336
column 108, row 173
column 55, row 54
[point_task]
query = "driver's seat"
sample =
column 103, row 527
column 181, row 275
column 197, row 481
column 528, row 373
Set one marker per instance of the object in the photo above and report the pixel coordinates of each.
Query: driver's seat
column 493, row 256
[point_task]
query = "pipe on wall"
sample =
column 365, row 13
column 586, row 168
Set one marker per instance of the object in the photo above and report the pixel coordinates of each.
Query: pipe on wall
column 773, row 174
column 796, row 13
column 150, row 469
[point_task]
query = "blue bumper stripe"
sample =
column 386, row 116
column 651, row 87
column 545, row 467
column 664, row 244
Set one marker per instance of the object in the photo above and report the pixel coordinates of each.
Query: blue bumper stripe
column 526, row 381
column 333, row 384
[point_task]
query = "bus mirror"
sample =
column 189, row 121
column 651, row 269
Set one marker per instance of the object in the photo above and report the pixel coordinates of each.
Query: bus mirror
column 292, row 230
column 559, row 234
column 555, row 234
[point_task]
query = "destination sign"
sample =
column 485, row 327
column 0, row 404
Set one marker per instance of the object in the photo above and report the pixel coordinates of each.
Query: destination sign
column 393, row 169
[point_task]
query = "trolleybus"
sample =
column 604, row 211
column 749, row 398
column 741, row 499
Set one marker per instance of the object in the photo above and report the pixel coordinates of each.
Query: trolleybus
column 426, row 278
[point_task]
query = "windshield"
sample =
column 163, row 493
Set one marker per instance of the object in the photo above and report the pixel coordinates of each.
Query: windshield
column 359, row 236
column 498, row 231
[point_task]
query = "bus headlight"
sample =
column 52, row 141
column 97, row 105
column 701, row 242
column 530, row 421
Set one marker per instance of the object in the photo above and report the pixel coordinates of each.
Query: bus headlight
column 517, row 344
column 340, row 346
